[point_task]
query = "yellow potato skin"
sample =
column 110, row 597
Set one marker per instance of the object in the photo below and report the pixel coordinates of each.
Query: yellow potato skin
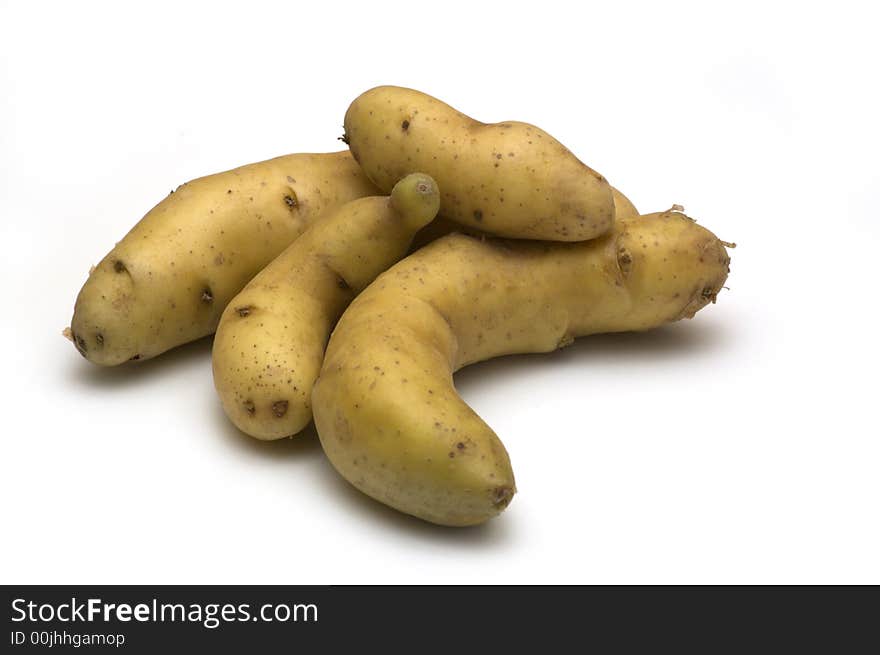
column 167, row 282
column 510, row 179
column 387, row 412
column 271, row 338
column 624, row 210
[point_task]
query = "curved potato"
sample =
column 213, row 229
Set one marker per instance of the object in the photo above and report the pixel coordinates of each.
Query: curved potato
column 270, row 342
column 167, row 282
column 509, row 179
column 387, row 412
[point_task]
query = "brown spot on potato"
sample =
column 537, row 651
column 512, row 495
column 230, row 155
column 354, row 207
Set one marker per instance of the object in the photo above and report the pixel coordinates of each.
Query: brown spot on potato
column 404, row 125
column 624, row 260
column 341, row 283
column 501, row 496
column 249, row 407
column 119, row 267
column 290, row 200
column 99, row 339
column 478, row 214
column 243, row 311
column 279, row 408
column 207, row 296
column 134, row 358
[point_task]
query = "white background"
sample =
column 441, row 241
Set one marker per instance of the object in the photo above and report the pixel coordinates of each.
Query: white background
column 740, row 447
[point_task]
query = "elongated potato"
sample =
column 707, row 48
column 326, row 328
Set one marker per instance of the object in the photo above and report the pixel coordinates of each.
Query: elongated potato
column 169, row 279
column 510, row 179
column 624, row 210
column 386, row 410
column 271, row 338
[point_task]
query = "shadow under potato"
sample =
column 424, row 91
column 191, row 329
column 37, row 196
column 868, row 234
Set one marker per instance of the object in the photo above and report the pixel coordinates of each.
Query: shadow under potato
column 668, row 342
column 676, row 341
column 142, row 371
column 489, row 534
column 303, row 444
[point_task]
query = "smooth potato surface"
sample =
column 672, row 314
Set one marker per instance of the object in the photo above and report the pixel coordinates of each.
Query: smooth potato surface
column 167, row 282
column 386, row 409
column 510, row 179
column 624, row 210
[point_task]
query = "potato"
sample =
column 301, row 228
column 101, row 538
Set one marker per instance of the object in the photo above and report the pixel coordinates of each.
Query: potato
column 624, row 210
column 169, row 279
column 509, row 179
column 387, row 412
column 271, row 338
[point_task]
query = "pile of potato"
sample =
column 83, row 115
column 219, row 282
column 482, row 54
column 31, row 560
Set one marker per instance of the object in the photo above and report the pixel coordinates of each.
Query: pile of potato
column 333, row 302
